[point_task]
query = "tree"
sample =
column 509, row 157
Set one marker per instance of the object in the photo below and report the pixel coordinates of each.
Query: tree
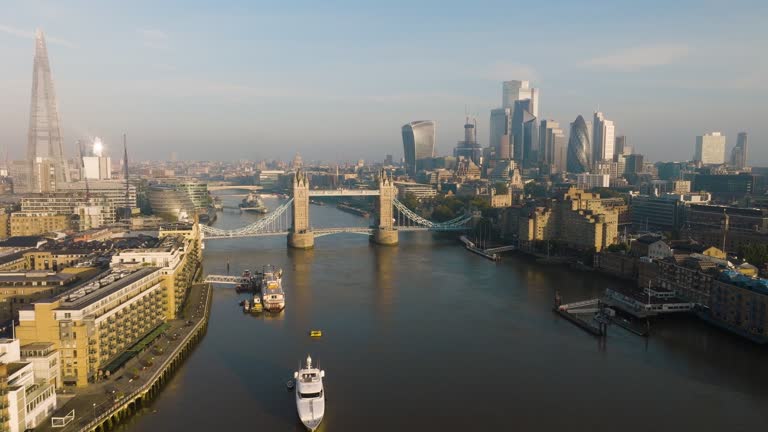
column 411, row 202
column 501, row 188
column 535, row 190
column 442, row 213
column 755, row 254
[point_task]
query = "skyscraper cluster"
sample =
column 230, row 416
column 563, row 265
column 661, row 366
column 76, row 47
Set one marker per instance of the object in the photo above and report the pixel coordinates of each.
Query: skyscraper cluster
column 514, row 126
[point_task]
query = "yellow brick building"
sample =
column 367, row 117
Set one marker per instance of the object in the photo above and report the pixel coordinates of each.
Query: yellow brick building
column 95, row 323
column 578, row 219
column 29, row 224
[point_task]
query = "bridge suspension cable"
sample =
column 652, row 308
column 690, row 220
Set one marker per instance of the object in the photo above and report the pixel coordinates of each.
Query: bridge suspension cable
column 276, row 222
column 409, row 216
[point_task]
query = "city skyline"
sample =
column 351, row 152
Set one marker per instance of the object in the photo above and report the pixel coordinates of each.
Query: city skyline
column 171, row 86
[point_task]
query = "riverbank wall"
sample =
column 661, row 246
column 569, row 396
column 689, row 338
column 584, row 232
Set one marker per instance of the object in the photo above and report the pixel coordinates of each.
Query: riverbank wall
column 131, row 403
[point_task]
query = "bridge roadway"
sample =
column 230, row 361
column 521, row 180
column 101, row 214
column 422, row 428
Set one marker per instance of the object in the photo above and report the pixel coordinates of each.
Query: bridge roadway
column 213, row 188
column 343, row 192
column 320, row 232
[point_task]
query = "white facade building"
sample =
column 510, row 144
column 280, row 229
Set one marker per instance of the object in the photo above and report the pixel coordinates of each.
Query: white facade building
column 603, row 138
column 31, row 398
column 710, row 148
column 588, row 181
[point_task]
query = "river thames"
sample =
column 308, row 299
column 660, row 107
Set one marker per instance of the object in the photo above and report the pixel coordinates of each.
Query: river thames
column 427, row 336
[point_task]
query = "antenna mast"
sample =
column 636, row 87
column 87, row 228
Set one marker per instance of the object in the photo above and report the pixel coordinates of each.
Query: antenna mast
column 82, row 171
column 125, row 166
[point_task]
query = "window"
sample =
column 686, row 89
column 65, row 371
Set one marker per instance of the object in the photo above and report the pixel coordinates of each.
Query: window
column 310, row 395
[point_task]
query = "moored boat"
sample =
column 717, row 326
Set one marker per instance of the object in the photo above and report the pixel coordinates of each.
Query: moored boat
column 272, row 294
column 310, row 397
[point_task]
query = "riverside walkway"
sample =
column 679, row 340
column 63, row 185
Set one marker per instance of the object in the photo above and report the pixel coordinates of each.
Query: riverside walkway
column 103, row 404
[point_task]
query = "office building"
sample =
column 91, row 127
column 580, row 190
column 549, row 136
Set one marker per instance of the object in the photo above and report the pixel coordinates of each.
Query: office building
column 269, row 179
column 469, row 147
column 710, row 149
column 418, row 190
column 621, row 147
column 514, row 90
column 633, row 164
column 739, row 152
column 553, row 146
column 44, row 144
column 418, row 144
column 726, row 187
column 525, row 131
column 586, row 181
column 665, row 213
column 500, row 134
column 603, row 138
column 578, row 147
column 114, row 191
column 96, row 166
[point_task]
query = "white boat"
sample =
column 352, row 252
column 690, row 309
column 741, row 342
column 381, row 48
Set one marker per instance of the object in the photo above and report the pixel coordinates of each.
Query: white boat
column 272, row 294
column 310, row 398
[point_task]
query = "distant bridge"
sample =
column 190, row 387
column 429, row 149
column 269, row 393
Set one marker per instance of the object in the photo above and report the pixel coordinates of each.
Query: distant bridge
column 292, row 218
column 214, row 188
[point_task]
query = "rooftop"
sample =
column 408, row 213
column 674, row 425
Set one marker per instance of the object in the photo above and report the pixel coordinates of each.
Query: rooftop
column 74, row 299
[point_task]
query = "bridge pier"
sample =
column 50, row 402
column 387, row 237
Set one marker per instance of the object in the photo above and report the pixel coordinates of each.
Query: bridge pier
column 305, row 240
column 385, row 233
column 300, row 236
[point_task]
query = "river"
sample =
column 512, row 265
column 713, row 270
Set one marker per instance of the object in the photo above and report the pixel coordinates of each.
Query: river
column 426, row 336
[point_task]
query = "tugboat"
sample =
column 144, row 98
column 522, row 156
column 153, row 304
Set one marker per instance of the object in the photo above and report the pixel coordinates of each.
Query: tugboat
column 272, row 294
column 310, row 398
column 253, row 203
column 256, row 307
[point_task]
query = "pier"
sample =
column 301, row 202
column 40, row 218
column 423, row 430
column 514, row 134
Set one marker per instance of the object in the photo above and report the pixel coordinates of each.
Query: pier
column 491, row 253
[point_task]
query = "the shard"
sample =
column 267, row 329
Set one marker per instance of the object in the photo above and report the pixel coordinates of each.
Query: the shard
column 45, row 153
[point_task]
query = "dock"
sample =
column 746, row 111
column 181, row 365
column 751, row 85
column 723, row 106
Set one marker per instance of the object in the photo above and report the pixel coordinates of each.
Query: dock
column 577, row 313
column 491, row 254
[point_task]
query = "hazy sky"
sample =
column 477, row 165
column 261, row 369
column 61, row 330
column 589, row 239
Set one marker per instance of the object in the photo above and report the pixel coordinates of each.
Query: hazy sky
column 337, row 79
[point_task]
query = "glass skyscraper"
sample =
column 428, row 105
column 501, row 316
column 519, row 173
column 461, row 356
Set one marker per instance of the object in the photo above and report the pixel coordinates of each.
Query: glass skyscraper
column 44, row 145
column 418, row 144
column 578, row 147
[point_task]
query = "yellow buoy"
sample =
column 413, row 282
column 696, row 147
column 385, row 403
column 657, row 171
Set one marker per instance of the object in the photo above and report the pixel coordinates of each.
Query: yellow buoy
column 315, row 333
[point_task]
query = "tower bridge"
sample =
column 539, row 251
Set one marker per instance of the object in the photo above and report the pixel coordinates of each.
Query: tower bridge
column 292, row 217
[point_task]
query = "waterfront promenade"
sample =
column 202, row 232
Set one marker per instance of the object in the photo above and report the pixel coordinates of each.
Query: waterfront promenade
column 110, row 400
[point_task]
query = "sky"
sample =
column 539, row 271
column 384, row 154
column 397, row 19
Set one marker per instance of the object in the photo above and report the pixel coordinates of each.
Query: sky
column 336, row 80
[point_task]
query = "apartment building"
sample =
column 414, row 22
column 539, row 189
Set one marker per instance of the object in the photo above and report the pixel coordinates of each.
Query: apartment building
column 94, row 323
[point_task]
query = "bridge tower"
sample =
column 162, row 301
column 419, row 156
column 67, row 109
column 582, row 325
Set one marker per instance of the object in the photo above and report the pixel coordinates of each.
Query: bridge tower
column 300, row 236
column 384, row 231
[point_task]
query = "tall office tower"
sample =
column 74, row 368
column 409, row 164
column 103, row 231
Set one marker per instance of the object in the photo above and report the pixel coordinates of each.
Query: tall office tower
column 44, row 145
column 710, row 148
column 96, row 166
column 469, row 147
column 520, row 90
column 525, row 131
column 552, row 146
column 578, row 147
column 603, row 138
column 500, row 134
column 418, row 144
column 739, row 153
column 621, row 148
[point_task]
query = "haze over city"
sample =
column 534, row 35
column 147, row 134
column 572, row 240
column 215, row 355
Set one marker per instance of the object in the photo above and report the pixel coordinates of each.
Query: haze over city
column 235, row 80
